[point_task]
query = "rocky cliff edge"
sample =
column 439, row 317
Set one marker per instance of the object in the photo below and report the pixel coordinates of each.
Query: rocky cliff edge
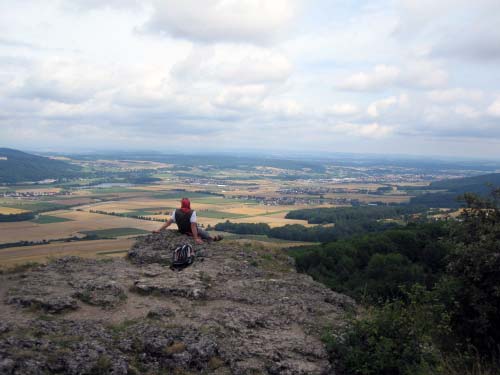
column 239, row 309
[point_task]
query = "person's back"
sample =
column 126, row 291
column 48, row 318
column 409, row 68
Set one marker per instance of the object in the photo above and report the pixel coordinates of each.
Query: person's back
column 183, row 220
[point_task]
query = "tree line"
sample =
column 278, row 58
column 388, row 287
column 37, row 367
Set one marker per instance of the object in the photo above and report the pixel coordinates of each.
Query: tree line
column 298, row 232
column 23, row 216
column 352, row 214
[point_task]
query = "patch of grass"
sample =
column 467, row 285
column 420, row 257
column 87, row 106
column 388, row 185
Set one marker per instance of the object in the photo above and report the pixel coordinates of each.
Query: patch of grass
column 112, row 252
column 267, row 256
column 114, row 232
column 205, row 278
column 175, row 348
column 19, row 268
column 116, row 329
column 48, row 219
column 215, row 363
column 102, row 366
column 64, row 341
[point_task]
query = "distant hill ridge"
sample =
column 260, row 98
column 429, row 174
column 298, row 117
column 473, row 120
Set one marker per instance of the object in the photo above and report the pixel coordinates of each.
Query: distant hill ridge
column 17, row 166
column 476, row 184
column 481, row 185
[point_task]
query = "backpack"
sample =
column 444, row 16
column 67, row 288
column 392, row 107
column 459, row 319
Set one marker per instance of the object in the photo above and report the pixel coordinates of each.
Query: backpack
column 182, row 256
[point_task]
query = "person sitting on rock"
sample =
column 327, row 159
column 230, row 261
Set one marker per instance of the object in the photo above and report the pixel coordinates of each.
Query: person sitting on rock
column 185, row 218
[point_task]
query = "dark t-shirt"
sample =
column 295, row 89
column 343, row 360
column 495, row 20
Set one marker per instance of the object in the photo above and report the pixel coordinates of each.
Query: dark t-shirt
column 183, row 220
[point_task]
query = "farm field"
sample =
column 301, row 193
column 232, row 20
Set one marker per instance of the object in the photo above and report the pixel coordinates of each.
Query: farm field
column 78, row 221
column 210, row 211
column 107, row 207
column 41, row 253
column 10, row 210
column 47, row 219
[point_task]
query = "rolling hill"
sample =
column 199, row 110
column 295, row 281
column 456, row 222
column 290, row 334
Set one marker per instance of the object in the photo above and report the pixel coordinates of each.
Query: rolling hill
column 481, row 185
column 17, row 166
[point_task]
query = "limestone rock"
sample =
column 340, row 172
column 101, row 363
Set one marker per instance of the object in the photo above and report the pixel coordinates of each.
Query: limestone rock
column 242, row 310
column 99, row 292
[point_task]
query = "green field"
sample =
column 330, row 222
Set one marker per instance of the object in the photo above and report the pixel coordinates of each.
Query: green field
column 117, row 190
column 114, row 232
column 47, row 219
column 31, row 206
column 219, row 215
column 147, row 211
column 182, row 194
column 220, row 201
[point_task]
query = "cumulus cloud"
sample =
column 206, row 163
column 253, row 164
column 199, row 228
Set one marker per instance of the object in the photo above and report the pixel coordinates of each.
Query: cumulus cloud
column 66, row 80
column 241, row 97
column 369, row 131
column 374, row 130
column 234, row 65
column 494, row 108
column 382, row 105
column 455, row 94
column 342, row 109
column 415, row 74
column 254, row 21
column 467, row 112
column 424, row 74
column 380, row 77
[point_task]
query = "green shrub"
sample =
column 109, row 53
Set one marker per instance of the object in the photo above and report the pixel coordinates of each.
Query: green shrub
column 392, row 339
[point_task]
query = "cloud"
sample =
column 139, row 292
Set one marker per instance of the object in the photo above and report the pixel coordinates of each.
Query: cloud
column 375, row 108
column 415, row 74
column 342, row 109
column 369, row 131
column 481, row 45
column 241, row 97
column 379, row 106
column 374, row 130
column 212, row 21
column 455, row 94
column 453, row 29
column 88, row 5
column 66, row 80
column 467, row 112
column 494, row 108
column 424, row 74
column 234, row 65
column 381, row 77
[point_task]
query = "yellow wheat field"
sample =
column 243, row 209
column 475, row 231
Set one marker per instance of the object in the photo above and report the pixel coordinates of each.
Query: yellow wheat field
column 8, row 210
column 81, row 221
column 41, row 253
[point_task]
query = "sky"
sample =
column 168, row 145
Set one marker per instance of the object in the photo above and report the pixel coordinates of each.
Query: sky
column 414, row 77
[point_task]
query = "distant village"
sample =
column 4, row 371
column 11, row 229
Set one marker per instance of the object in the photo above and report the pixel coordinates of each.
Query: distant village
column 33, row 194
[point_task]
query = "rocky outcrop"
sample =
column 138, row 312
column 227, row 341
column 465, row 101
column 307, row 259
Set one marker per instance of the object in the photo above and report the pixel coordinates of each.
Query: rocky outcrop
column 237, row 310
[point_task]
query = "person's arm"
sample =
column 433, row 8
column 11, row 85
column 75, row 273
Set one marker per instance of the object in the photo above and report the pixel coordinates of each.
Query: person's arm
column 164, row 226
column 194, row 229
